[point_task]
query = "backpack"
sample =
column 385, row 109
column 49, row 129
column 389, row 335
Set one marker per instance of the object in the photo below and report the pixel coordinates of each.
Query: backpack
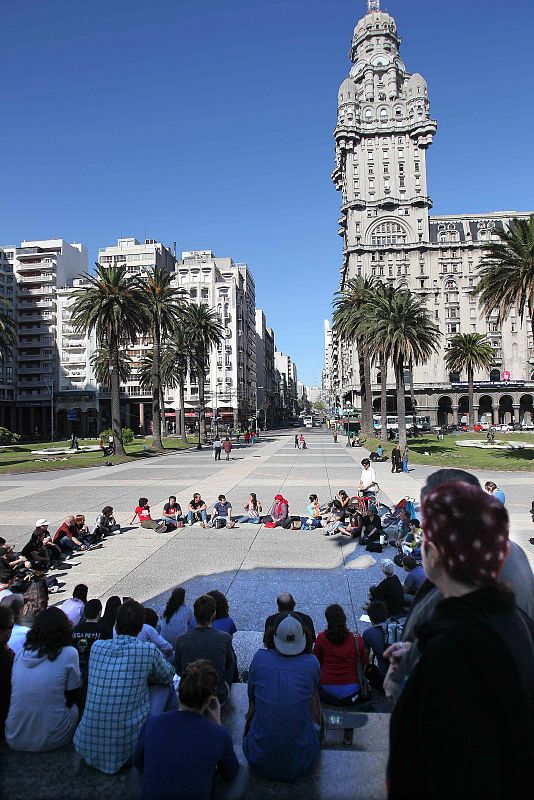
column 393, row 630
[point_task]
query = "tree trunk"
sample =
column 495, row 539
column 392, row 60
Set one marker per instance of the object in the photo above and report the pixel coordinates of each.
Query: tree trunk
column 471, row 397
column 183, row 431
column 412, row 398
column 384, row 397
column 202, row 400
column 369, row 428
column 116, row 426
column 364, row 369
column 157, row 444
column 162, row 406
column 401, row 404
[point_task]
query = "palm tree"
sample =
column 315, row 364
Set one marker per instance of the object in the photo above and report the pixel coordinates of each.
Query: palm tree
column 112, row 305
column 348, row 304
column 202, row 326
column 506, row 272
column 100, row 364
column 469, row 351
column 164, row 305
column 178, row 359
column 8, row 330
column 400, row 322
column 385, row 291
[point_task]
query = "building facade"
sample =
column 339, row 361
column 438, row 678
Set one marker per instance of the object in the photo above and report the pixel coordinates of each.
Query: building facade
column 287, row 386
column 382, row 133
column 265, row 373
column 8, row 364
column 228, row 288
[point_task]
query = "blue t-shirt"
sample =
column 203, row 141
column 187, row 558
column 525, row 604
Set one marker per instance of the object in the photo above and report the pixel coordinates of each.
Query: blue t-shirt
column 225, row 624
column 179, row 753
column 282, row 743
column 373, row 639
column 222, row 508
column 415, row 578
column 500, row 496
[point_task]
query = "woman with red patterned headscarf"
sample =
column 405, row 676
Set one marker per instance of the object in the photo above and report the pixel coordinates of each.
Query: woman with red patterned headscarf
column 466, row 714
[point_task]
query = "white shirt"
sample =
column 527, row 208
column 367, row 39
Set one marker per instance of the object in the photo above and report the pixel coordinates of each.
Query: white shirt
column 368, row 477
column 73, row 608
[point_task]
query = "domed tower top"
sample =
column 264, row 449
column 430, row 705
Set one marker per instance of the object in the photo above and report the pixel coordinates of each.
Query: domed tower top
column 376, row 23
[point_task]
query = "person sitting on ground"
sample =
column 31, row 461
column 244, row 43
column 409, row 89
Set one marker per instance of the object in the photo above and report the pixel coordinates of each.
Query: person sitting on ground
column 314, row 518
column 221, row 515
column 43, row 713
column 34, row 600
column 142, row 511
column 66, row 537
column 119, row 696
column 333, row 521
column 84, row 635
column 109, row 616
column 371, row 530
column 338, row 652
column 40, row 555
column 84, row 534
column 12, row 561
column 278, row 513
column 353, row 527
column 177, row 618
column 223, row 621
column 414, row 580
column 207, row 642
column 483, row 644
column 197, row 511
column 344, row 499
column 389, row 590
column 253, row 509
column 374, row 642
column 105, row 524
column 74, row 607
column 7, row 657
column 149, row 633
column 227, row 447
column 498, row 494
column 380, row 451
column 368, row 486
column 188, row 753
column 403, row 528
column 284, row 727
column 286, row 604
column 172, row 512
column 412, row 542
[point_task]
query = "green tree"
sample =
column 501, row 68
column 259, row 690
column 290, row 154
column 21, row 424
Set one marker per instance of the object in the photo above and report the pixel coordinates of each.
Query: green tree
column 469, row 351
column 164, row 304
column 400, row 322
column 348, row 304
column 179, row 361
column 202, row 326
column 8, row 330
column 113, row 306
column 506, row 272
column 100, row 361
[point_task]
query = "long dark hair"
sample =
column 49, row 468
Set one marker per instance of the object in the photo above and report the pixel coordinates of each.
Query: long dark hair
column 113, row 604
column 221, row 604
column 175, row 601
column 337, row 630
column 254, row 501
column 49, row 634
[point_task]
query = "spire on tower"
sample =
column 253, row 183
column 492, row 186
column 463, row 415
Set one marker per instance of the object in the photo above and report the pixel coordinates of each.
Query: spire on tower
column 373, row 5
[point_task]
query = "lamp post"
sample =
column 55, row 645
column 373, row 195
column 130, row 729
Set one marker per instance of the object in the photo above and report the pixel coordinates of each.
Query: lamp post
column 50, row 388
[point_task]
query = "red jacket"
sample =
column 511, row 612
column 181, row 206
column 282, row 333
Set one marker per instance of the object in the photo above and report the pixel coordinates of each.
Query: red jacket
column 338, row 661
column 66, row 530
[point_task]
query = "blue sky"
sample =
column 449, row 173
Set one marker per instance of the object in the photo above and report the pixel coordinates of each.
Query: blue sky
column 210, row 124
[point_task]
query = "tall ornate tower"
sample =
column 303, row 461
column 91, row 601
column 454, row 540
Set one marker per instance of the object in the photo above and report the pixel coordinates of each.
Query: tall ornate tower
column 382, row 132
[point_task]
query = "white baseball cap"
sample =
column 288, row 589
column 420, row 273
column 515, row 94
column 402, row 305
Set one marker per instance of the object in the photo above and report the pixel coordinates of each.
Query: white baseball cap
column 289, row 637
column 42, row 523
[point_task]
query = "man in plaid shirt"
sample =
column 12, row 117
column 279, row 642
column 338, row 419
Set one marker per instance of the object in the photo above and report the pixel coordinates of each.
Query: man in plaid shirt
column 119, row 698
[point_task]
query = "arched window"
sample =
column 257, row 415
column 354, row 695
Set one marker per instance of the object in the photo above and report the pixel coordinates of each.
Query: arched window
column 388, row 233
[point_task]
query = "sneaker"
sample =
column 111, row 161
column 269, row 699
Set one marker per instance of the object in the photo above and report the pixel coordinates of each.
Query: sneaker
column 204, row 525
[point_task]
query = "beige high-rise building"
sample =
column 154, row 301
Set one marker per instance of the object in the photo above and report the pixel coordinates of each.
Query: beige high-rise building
column 383, row 130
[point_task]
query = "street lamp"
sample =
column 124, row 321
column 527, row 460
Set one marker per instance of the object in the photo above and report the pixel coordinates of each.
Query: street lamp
column 50, row 388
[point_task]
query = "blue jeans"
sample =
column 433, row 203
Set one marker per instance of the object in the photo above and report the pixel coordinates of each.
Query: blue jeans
column 405, row 465
column 196, row 514
column 244, row 518
column 162, row 698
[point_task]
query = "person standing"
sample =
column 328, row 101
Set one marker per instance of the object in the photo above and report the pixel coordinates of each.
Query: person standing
column 247, row 437
column 252, row 437
column 217, row 447
column 297, row 441
column 227, row 447
column 334, row 434
column 396, row 459
column 405, row 456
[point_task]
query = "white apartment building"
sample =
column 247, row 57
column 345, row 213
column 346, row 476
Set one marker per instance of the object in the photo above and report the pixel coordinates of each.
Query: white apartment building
column 227, row 287
column 40, row 268
column 383, row 130
column 138, row 257
column 288, row 384
column 8, row 366
column 267, row 407
column 328, row 368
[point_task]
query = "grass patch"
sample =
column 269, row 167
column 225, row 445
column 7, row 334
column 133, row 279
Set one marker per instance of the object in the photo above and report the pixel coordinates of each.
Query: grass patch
column 446, row 453
column 20, row 458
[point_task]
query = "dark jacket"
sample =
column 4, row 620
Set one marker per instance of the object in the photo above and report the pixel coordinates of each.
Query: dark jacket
column 305, row 620
column 465, row 719
column 390, row 592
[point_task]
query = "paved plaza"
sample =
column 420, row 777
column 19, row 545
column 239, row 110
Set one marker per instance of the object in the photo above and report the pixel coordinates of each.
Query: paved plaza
column 251, row 564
